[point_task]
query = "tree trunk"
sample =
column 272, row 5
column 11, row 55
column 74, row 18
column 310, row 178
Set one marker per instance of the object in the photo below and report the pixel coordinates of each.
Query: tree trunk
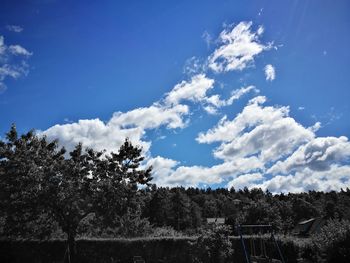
column 71, row 253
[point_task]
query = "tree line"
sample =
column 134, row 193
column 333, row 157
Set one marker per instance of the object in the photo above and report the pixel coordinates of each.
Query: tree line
column 47, row 192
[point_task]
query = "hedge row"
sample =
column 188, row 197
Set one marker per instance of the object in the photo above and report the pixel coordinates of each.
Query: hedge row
column 170, row 250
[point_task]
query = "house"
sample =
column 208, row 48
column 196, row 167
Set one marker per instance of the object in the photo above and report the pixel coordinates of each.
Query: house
column 216, row 221
column 309, row 226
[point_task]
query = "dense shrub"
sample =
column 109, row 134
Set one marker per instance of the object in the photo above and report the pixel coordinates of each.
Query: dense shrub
column 214, row 246
column 332, row 243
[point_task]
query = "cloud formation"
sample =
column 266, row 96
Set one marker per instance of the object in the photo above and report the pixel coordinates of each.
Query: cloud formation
column 289, row 152
column 110, row 136
column 336, row 178
column 318, row 154
column 167, row 172
column 261, row 146
column 14, row 28
column 270, row 72
column 239, row 47
column 13, row 62
column 214, row 102
column 194, row 90
column 245, row 180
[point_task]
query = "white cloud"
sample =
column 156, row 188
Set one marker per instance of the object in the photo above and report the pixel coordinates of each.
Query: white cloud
column 193, row 90
column 14, row 28
column 235, row 95
column 193, row 66
column 262, row 146
column 12, row 62
column 335, row 178
column 207, row 38
column 238, row 93
column 19, row 50
column 12, row 71
column 211, row 110
column 245, row 180
column 270, row 72
column 169, row 175
column 132, row 124
column 162, row 168
column 270, row 141
column 95, row 134
column 239, row 47
column 250, row 116
column 317, row 155
column 298, row 160
column 152, row 117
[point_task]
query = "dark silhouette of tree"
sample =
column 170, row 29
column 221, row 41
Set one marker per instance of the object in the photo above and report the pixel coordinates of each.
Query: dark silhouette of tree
column 37, row 181
column 161, row 213
column 181, row 207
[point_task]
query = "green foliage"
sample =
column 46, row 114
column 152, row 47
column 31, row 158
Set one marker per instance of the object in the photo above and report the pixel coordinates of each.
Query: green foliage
column 39, row 185
column 213, row 246
column 132, row 225
column 46, row 193
column 261, row 212
column 166, row 231
column 332, row 243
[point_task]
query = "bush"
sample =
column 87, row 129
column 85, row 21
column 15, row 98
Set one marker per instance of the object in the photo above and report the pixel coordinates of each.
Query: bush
column 214, row 246
column 166, row 231
column 332, row 243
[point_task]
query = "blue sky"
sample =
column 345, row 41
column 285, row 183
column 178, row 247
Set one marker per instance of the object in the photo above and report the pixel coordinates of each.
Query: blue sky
column 236, row 93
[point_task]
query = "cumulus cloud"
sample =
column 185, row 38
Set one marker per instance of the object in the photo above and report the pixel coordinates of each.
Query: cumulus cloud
column 335, row 178
column 239, row 47
column 251, row 115
column 132, row 124
column 211, row 110
column 271, row 141
column 13, row 62
column 245, row 180
column 14, row 28
column 95, row 134
column 167, row 174
column 317, row 155
column 270, row 72
column 262, row 146
column 268, row 132
column 193, row 90
column 293, row 158
column 151, row 117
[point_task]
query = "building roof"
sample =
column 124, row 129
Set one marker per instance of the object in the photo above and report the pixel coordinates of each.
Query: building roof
column 216, row 220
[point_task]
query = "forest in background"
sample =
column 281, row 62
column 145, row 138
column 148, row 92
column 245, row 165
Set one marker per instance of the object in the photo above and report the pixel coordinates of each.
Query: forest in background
column 47, row 193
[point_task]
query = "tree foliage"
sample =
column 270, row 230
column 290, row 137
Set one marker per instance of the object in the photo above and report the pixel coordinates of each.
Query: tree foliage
column 39, row 182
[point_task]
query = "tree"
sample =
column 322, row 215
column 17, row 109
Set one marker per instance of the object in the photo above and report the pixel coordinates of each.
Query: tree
column 36, row 179
column 24, row 163
column 160, row 207
column 181, row 209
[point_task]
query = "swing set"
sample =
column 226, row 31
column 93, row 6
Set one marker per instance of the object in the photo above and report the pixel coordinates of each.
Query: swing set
column 258, row 252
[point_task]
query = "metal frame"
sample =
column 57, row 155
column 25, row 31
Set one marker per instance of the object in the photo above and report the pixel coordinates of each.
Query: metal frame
column 269, row 227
